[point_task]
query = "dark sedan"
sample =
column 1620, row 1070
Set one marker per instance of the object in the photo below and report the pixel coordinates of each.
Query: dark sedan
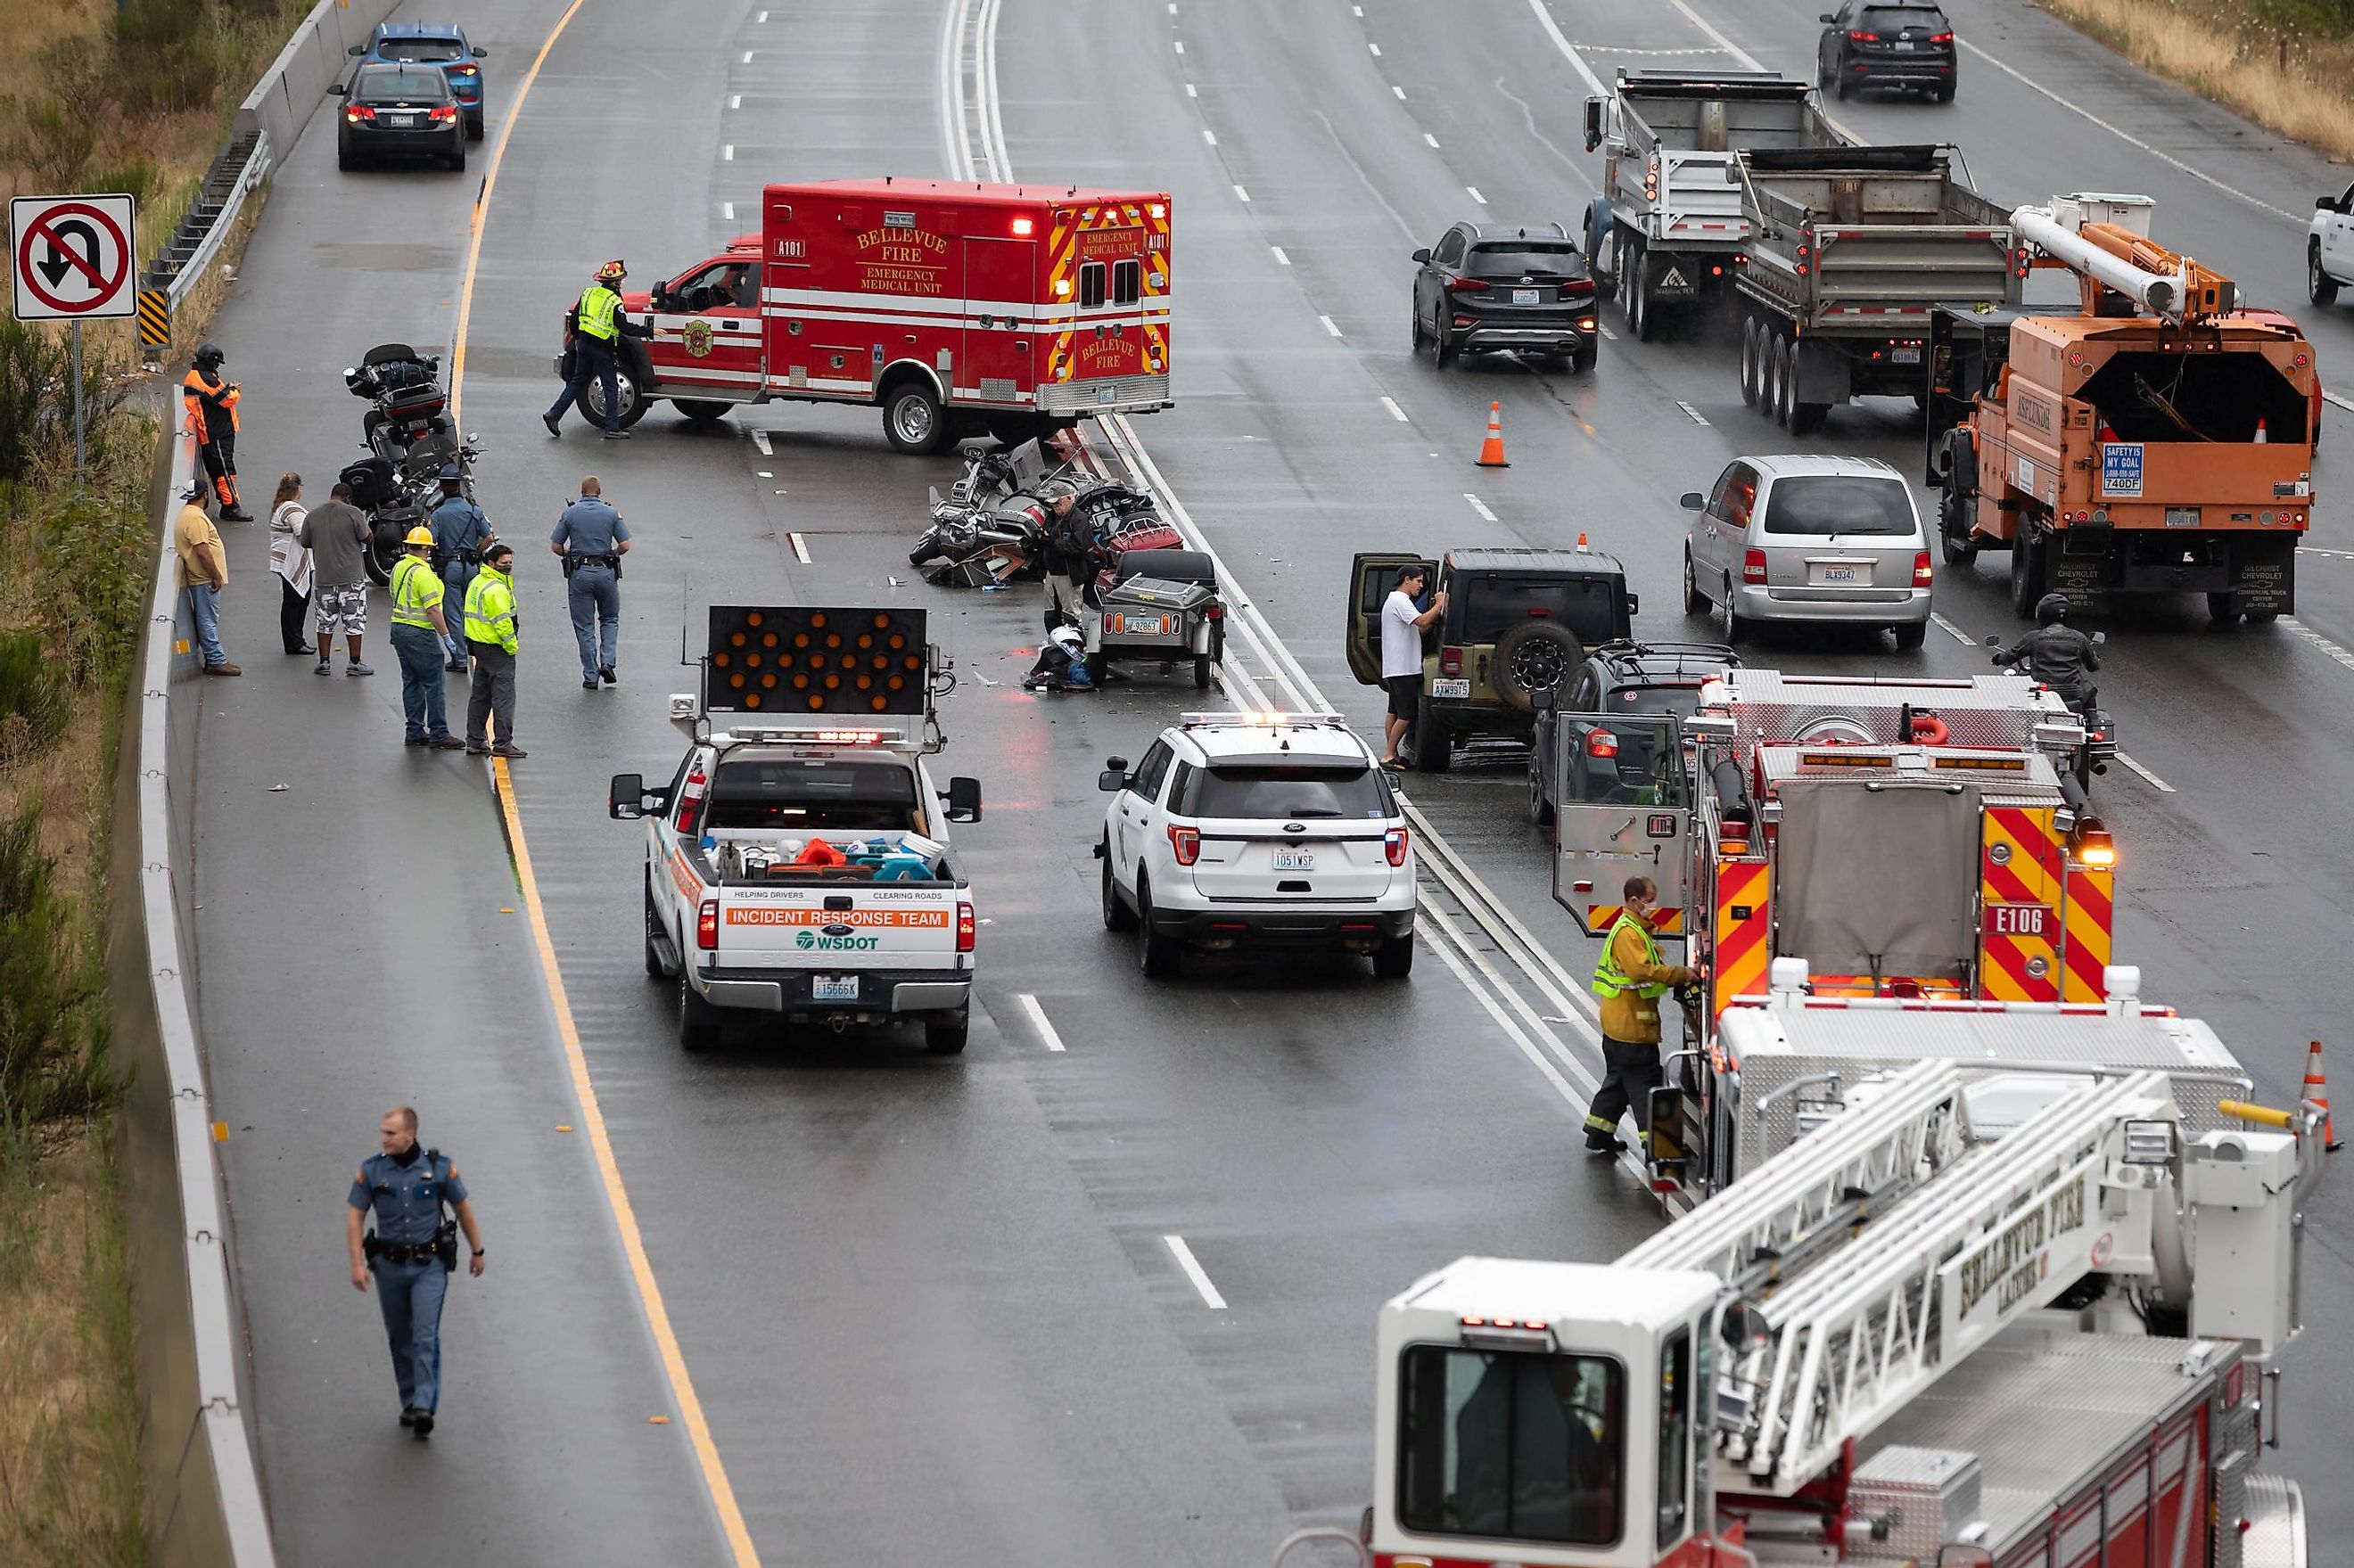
column 398, row 111
column 441, row 44
column 1490, row 286
column 1882, row 45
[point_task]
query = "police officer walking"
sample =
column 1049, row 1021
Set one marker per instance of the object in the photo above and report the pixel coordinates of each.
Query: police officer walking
column 592, row 539
column 490, row 639
column 1628, row 982
column 459, row 532
column 212, row 417
column 411, row 1252
column 593, row 330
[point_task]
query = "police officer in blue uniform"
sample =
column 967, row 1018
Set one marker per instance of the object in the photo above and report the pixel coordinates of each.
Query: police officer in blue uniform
column 460, row 534
column 592, row 539
column 411, row 1252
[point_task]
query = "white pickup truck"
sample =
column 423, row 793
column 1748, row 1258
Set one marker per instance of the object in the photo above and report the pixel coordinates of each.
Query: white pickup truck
column 2329, row 247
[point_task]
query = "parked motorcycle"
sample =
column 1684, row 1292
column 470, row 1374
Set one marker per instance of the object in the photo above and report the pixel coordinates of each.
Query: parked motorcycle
column 408, row 439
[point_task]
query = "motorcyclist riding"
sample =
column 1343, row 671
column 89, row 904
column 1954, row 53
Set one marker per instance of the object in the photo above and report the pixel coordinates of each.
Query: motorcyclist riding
column 2056, row 654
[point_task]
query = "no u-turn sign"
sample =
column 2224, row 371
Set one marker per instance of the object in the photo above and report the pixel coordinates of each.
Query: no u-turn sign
column 71, row 257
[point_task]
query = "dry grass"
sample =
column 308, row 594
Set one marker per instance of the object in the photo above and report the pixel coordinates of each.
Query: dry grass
column 2214, row 49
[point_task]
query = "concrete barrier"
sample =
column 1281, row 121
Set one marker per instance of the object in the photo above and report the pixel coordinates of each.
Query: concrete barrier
column 296, row 83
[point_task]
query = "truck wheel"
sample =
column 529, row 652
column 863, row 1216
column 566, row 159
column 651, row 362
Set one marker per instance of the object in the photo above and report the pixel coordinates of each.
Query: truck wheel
column 698, row 409
column 944, row 1033
column 912, row 422
column 1394, row 959
column 591, row 400
column 1158, row 956
column 1778, row 380
column 2027, row 572
column 1116, row 915
column 1805, row 419
column 698, row 1021
column 654, row 967
column 2223, row 609
column 1749, row 362
column 1433, row 748
column 2319, row 286
column 1954, row 526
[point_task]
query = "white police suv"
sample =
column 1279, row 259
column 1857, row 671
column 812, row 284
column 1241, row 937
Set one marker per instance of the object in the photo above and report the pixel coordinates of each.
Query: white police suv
column 1258, row 830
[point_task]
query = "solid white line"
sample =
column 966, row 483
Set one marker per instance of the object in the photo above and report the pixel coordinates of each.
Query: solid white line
column 1480, row 506
column 1561, row 42
column 735, row 101
column 1241, row 194
column 800, row 548
column 727, row 153
column 1390, row 404
column 1376, row 47
column 1330, row 325
column 2300, row 628
column 1281, row 258
column 1697, row 418
column 1209, row 136
column 1038, row 1019
column 1184, row 1255
column 1475, row 196
column 761, row 440
column 2334, row 398
column 1955, row 632
column 1399, row 91
column 1429, row 138
column 1608, row 335
column 991, row 100
column 2322, row 550
column 2151, row 778
column 727, row 210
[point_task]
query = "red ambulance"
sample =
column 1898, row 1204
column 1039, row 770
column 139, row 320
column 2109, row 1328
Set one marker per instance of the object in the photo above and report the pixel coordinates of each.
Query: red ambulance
column 955, row 308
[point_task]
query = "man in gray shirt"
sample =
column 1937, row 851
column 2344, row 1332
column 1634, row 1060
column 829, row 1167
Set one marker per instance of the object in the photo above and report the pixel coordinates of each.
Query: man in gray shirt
column 337, row 534
column 591, row 538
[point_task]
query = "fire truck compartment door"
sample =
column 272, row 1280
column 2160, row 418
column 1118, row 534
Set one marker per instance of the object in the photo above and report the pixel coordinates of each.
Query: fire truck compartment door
column 1000, row 333
column 1878, row 882
column 1622, row 808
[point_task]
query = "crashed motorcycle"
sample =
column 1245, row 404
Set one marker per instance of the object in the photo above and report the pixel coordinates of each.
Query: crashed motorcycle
column 989, row 528
column 406, row 434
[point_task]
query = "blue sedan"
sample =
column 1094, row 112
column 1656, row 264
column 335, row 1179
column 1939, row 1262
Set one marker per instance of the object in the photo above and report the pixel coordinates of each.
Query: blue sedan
column 441, row 44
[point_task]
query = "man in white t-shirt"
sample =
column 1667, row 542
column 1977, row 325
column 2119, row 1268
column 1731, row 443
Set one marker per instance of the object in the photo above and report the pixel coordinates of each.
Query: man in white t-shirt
column 1401, row 628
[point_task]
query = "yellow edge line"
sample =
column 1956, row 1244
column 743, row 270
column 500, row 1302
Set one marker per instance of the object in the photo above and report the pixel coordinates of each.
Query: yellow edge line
column 625, row 1217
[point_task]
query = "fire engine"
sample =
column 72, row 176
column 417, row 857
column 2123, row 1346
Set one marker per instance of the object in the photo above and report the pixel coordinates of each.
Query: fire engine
column 1018, row 309
column 2005, row 1299
column 2157, row 441
column 1908, row 838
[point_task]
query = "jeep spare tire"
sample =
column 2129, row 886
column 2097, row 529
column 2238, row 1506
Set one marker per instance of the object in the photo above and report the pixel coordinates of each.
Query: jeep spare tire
column 1534, row 656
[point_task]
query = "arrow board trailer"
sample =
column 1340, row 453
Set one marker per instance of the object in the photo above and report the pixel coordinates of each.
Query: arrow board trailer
column 2001, row 1317
column 798, row 862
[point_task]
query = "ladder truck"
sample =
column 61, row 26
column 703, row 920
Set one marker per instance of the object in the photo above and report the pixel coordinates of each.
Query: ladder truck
column 2156, row 440
column 1998, row 1307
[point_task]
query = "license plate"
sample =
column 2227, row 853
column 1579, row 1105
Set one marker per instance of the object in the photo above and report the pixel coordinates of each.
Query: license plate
column 1141, row 625
column 1838, row 576
column 1903, row 48
column 834, row 987
column 1903, row 356
column 1524, row 296
column 1106, row 394
column 1295, row 860
column 400, row 122
column 1459, row 688
column 2182, row 517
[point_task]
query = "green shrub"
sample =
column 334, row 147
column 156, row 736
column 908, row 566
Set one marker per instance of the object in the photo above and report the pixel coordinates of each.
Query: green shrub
column 52, row 1025
column 36, row 696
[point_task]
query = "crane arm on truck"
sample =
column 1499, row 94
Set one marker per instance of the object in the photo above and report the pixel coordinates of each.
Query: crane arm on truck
column 2083, row 235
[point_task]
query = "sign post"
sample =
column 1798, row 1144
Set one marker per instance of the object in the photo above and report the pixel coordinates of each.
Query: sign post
column 71, row 259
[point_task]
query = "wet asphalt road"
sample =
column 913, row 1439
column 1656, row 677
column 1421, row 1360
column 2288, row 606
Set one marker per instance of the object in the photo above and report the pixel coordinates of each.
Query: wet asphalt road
column 929, row 1305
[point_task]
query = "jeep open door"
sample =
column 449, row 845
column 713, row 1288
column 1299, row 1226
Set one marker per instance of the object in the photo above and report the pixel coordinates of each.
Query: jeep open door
column 1373, row 578
column 1623, row 809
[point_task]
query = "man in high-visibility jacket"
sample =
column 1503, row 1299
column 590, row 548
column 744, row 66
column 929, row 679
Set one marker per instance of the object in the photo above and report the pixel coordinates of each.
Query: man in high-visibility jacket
column 212, row 419
column 490, row 639
column 419, row 630
column 1628, row 982
column 593, row 330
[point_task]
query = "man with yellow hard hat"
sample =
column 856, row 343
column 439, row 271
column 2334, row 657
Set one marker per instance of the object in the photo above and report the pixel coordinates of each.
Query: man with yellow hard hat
column 593, row 330
column 419, row 633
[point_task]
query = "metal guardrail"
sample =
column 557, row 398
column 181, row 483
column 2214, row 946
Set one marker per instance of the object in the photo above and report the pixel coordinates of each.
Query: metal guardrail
column 211, row 218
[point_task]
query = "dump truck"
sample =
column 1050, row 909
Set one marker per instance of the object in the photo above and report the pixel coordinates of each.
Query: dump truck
column 1669, row 221
column 1850, row 249
column 2156, row 440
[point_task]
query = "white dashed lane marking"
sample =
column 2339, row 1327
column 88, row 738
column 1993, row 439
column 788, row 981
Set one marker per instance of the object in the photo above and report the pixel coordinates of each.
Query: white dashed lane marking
column 1185, row 1256
column 1480, row 506
column 1038, row 1019
column 2152, row 779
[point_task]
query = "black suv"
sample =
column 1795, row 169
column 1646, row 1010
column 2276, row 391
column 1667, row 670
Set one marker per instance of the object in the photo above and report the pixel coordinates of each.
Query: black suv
column 1506, row 286
column 1517, row 622
column 1622, row 678
column 1869, row 43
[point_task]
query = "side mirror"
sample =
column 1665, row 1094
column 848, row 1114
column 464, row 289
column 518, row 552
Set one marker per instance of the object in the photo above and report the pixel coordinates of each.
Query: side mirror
column 1117, row 763
column 1826, row 19
column 1692, row 501
column 356, row 49
column 338, row 89
column 482, row 54
column 964, row 799
column 1593, row 109
column 1112, row 781
column 1634, row 604
column 625, row 799
column 2099, row 637
column 1993, row 642
column 2325, row 204
column 1422, row 255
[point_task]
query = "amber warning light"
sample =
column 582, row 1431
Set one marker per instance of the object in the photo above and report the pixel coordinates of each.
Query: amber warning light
column 793, row 659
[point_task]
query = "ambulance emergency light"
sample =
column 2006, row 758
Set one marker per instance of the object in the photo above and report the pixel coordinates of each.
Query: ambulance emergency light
column 788, row 659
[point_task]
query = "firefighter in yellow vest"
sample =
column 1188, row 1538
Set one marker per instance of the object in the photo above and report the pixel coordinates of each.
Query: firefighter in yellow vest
column 593, row 332
column 212, row 419
column 491, row 639
column 419, row 630
column 1628, row 982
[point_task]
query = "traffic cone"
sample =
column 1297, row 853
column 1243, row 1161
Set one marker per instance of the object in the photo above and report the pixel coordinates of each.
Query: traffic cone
column 2317, row 1092
column 1491, row 450
column 2263, row 437
column 1581, row 538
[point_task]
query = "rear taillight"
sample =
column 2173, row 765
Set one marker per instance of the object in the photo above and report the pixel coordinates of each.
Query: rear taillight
column 1393, row 845
column 1581, row 289
column 1941, row 38
column 1921, row 578
column 1215, row 612
column 1601, row 743
column 965, row 929
column 1186, row 844
column 1863, row 37
column 357, row 113
column 1450, row 661
column 1467, row 285
column 707, row 925
column 1752, row 567
column 443, row 113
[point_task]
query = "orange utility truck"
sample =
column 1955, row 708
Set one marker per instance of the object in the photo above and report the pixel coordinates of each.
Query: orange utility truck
column 2156, row 439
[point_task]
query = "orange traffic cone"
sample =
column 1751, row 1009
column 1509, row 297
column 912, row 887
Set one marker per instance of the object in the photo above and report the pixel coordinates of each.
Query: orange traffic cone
column 2263, row 438
column 1581, row 538
column 2317, row 1092
column 1491, row 450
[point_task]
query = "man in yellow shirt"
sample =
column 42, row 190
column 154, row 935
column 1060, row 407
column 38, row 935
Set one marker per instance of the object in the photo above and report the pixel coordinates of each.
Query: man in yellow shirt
column 204, row 572
column 1628, row 982
column 492, row 640
column 420, row 632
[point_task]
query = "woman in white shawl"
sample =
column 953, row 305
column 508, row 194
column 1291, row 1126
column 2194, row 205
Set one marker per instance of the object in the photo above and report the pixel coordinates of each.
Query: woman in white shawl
column 291, row 563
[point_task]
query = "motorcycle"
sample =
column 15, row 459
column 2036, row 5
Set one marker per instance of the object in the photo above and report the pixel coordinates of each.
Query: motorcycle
column 405, row 400
column 2100, row 745
column 989, row 528
column 408, row 441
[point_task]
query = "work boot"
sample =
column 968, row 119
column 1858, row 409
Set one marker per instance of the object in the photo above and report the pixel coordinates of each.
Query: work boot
column 1609, row 1144
column 235, row 515
column 474, row 751
column 408, row 1416
column 423, row 1424
column 617, row 435
column 552, row 428
column 610, row 678
column 446, row 743
column 590, row 685
column 513, row 753
column 223, row 670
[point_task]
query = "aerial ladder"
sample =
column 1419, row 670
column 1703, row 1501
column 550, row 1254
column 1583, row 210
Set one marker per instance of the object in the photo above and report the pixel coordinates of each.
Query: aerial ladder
column 1959, row 1304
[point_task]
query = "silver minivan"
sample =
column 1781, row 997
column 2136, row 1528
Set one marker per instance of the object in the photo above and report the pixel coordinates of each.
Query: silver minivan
column 1802, row 538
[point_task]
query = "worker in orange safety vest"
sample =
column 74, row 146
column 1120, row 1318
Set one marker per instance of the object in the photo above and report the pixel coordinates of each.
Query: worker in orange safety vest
column 212, row 419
